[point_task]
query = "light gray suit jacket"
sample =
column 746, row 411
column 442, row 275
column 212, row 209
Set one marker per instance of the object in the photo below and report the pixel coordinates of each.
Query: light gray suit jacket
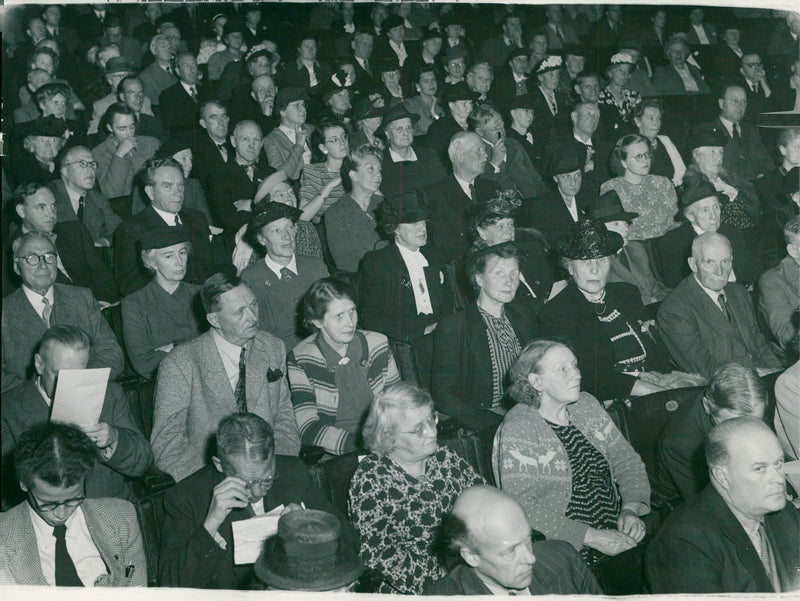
column 114, row 530
column 193, row 394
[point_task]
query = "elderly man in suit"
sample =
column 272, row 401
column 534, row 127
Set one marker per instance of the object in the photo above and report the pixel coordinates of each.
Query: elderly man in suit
column 752, row 77
column 41, row 303
column 739, row 535
column 58, row 537
column 235, row 367
column 164, row 186
column 117, row 69
column 247, row 478
column 122, row 450
column 707, row 320
column 130, row 92
column 211, row 148
column 489, row 531
column 159, row 75
column 179, row 104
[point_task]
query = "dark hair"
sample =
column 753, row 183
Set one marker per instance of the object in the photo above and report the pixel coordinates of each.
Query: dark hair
column 503, row 251
column 318, row 138
column 48, row 91
column 44, row 50
column 481, row 114
column 507, row 16
column 650, row 103
column 456, row 534
column 121, row 85
column 214, row 287
column 427, row 69
column 620, row 153
column 118, row 108
column 180, row 55
column 57, row 454
column 148, row 172
column 207, row 103
column 245, row 435
column 319, row 296
column 24, row 191
column 353, row 161
column 69, row 336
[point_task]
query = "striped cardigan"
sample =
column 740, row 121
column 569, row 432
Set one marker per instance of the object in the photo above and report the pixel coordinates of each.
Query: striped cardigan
column 316, row 398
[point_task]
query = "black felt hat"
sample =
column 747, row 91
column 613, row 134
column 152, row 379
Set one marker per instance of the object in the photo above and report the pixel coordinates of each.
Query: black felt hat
column 366, row 108
column 268, row 212
column 50, row 127
column 589, row 239
column 162, row 237
column 459, row 91
column 609, row 208
column 286, row 96
column 699, row 191
column 565, row 159
column 503, row 204
column 391, row 22
column 174, row 144
column 411, row 206
column 523, row 101
column 706, row 136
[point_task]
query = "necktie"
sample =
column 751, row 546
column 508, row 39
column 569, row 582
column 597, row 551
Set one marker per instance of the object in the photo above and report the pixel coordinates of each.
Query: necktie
column 623, row 258
column 241, row 394
column 367, row 67
column 66, row 574
column 522, row 88
column 737, row 132
column 472, row 191
column 168, row 69
column 178, row 219
column 560, row 34
column 723, row 305
column 250, row 172
column 81, row 204
column 193, row 93
column 768, row 559
column 755, row 88
column 47, row 311
column 286, row 274
column 223, row 151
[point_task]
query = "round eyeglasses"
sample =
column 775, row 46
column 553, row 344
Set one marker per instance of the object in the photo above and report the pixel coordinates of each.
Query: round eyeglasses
column 84, row 164
column 432, row 421
column 33, row 260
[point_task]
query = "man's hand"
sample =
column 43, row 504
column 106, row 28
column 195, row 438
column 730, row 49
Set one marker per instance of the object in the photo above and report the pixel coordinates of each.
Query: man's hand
column 102, row 434
column 499, row 153
column 125, row 147
column 229, row 494
column 301, row 135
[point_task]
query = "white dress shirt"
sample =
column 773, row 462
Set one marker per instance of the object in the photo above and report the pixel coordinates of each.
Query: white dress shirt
column 416, row 263
column 169, row 218
column 276, row 267
column 229, row 354
column 35, row 299
column 465, row 186
column 400, row 51
column 701, row 34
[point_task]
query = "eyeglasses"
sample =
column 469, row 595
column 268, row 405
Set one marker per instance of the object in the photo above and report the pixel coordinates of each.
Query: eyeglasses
column 644, row 156
column 403, row 130
column 33, row 260
column 419, row 429
column 52, row 505
column 84, row 164
column 342, row 140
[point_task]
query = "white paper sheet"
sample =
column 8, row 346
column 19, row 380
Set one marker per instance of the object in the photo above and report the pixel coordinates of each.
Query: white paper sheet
column 249, row 535
column 79, row 395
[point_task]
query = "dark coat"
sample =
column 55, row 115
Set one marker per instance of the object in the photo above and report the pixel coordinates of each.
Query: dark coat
column 98, row 216
column 386, row 299
column 505, row 86
column 702, row 548
column 748, row 158
column 190, row 557
column 206, row 157
column 571, row 317
column 439, row 135
column 178, row 110
column 296, row 75
column 462, row 364
column 403, row 175
column 546, row 124
column 756, row 102
column 550, row 216
column 667, row 82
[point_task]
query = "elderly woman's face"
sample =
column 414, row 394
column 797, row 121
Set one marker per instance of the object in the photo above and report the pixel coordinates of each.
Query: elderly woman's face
column 709, row 159
column 44, row 148
column 278, row 238
column 415, row 439
column 590, row 275
column 338, row 326
column 184, row 157
column 620, row 74
column 649, row 123
column 368, row 174
column 499, row 280
column 497, row 232
column 170, row 263
column 558, row 379
column 284, row 194
column 677, row 54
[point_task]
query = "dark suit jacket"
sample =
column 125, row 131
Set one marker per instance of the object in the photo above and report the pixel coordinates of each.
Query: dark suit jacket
column 386, row 297
column 178, row 110
column 90, row 26
column 439, row 135
column 420, row 174
column 672, row 250
column 558, row 570
column 147, row 125
column 462, row 386
column 365, row 82
column 295, row 74
column 98, row 216
column 700, row 338
column 190, row 557
column 756, row 102
column 747, row 159
column 206, row 157
column 702, row 548
column 711, row 34
column 570, row 316
column 667, row 82
column 505, row 86
column 453, row 214
column 495, row 52
column 130, row 273
column 545, row 123
column 23, row 407
column 550, row 216
column 22, row 328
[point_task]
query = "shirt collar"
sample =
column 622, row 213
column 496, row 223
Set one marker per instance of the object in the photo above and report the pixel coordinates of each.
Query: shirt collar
column 464, row 184
column 276, row 267
column 223, row 345
column 587, row 142
column 396, row 158
column 187, row 87
column 712, row 294
column 44, row 531
column 169, row 218
column 42, row 391
column 414, row 256
column 728, row 125
column 36, row 299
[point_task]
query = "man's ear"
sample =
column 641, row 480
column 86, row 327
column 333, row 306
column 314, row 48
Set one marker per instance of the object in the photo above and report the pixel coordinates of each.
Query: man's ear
column 38, row 363
column 472, row 559
column 217, row 463
column 23, row 487
column 149, row 191
column 213, row 319
column 720, row 475
column 20, row 209
column 692, row 264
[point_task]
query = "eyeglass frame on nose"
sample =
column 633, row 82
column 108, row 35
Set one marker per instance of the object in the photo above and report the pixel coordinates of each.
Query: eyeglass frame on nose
column 642, row 157
column 84, row 164
column 419, row 430
column 39, row 258
column 48, row 507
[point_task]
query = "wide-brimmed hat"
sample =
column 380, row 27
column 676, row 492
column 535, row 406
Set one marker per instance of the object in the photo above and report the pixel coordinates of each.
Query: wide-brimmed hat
column 549, row 63
column 518, row 52
column 174, row 144
column 565, row 159
column 431, row 34
column 163, row 237
column 286, row 96
column 574, row 50
column 310, row 552
column 459, row 91
column 233, row 25
column 267, row 212
column 410, row 206
column 366, row 108
column 454, row 53
column 119, row 64
column 395, row 114
column 386, row 64
column 699, row 191
column 523, row 101
column 621, row 58
column 705, row 136
column 609, row 208
column 391, row 22
column 50, row 127
column 503, row 204
column 589, row 239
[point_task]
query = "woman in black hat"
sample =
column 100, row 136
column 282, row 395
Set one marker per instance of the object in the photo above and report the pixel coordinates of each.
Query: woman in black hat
column 616, row 94
column 474, row 348
column 619, row 352
column 367, row 118
column 390, row 89
column 160, row 315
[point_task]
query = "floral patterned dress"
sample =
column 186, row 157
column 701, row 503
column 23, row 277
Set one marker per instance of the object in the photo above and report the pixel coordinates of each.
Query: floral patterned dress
column 625, row 108
column 397, row 516
column 654, row 199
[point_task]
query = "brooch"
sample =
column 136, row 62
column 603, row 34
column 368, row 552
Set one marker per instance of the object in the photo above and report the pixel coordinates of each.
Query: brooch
column 405, row 283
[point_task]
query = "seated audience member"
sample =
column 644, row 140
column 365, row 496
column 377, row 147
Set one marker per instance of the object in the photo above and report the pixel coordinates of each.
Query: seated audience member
column 282, row 278
column 787, row 96
column 779, row 290
column 321, row 182
column 699, row 33
column 336, row 372
column 97, row 541
column 161, row 315
column 367, row 120
column 206, row 379
column 163, row 184
column 726, row 60
column 752, row 77
column 787, row 409
column 596, row 486
column 679, row 77
column 350, row 224
column 28, row 111
column 178, row 147
column 310, row 552
column 426, row 103
column 512, row 78
column 337, row 96
column 306, row 72
column 574, row 63
column 117, row 69
column 246, row 478
column 122, row 450
column 211, row 148
column 362, row 43
column 632, row 263
column 391, row 44
column 78, row 260
column 76, row 198
column 235, row 87
column 641, row 72
column 130, row 92
column 51, row 98
column 665, row 159
column 549, row 105
column 537, row 44
column 773, row 186
column 651, row 196
column 286, row 146
column 453, row 29
column 404, row 161
column 617, row 95
column 495, row 50
column 474, row 348
column 402, row 288
column 490, row 532
column 700, row 213
column 122, row 154
column 232, row 187
column 734, row 391
column 480, row 78
column 159, row 75
column 130, row 48
column 403, row 489
column 41, row 303
column 425, row 56
column 233, row 38
column 582, row 139
column 389, row 89
column 258, row 104
column 707, row 320
column 459, row 100
column 606, row 323
column 43, row 140
column 179, row 104
column 587, row 87
column 520, row 118
column 739, row 535
column 509, row 164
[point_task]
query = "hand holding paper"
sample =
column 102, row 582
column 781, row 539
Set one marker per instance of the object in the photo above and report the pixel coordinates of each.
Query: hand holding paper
column 79, row 396
column 249, row 535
